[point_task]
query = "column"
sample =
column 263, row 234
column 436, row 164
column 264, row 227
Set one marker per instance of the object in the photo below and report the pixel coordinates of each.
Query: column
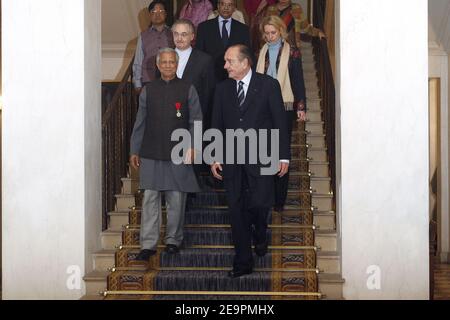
column 382, row 141
column 51, row 146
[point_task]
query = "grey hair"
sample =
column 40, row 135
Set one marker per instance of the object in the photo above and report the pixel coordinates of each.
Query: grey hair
column 185, row 22
column 164, row 50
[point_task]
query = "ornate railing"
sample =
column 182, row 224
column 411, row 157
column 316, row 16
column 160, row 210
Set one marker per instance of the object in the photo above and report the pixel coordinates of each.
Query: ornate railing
column 326, row 87
column 117, row 127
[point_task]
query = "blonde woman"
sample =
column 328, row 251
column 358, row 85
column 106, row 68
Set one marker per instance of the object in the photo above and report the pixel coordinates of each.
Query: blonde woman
column 282, row 61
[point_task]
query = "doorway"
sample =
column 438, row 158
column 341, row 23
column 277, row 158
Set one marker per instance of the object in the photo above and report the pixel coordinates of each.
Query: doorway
column 435, row 175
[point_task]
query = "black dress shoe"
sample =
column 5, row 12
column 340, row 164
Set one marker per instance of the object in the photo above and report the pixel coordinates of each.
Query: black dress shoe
column 261, row 249
column 145, row 255
column 172, row 249
column 239, row 273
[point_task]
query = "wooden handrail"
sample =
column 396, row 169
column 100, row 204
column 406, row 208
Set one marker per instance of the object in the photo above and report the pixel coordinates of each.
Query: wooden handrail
column 117, row 127
column 113, row 105
column 327, row 89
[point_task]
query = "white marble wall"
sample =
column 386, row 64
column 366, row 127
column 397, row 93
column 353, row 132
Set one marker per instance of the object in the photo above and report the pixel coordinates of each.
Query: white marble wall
column 51, row 141
column 382, row 75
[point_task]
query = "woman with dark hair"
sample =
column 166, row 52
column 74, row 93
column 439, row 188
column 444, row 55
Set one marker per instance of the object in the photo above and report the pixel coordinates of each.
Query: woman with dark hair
column 282, row 61
column 294, row 18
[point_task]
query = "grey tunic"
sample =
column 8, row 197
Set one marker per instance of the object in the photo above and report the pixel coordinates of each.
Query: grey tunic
column 161, row 175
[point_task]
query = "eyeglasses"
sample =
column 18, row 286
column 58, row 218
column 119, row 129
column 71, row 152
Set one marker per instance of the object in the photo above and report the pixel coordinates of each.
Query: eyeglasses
column 183, row 34
column 158, row 11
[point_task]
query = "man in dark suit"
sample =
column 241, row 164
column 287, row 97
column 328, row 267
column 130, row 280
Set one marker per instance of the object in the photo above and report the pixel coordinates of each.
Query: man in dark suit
column 249, row 100
column 194, row 66
column 217, row 35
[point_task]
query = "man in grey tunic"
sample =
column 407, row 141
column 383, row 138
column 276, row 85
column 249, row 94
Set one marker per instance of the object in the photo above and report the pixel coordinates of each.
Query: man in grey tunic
column 165, row 105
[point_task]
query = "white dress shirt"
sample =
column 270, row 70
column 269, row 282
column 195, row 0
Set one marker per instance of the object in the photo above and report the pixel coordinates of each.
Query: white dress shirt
column 228, row 26
column 183, row 56
column 246, row 80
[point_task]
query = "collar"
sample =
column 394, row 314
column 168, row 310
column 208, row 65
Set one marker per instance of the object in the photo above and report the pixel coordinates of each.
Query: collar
column 185, row 52
column 170, row 81
column 154, row 29
column 222, row 19
column 247, row 78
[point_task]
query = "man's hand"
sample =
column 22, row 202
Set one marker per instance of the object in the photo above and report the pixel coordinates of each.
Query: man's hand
column 215, row 168
column 322, row 35
column 190, row 156
column 138, row 91
column 283, row 169
column 135, row 161
column 301, row 116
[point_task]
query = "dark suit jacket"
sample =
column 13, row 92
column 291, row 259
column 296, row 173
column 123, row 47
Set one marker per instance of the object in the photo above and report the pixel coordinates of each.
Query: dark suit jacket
column 262, row 109
column 199, row 72
column 210, row 41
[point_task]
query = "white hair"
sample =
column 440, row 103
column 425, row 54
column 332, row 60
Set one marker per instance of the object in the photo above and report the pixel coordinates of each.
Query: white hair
column 164, row 50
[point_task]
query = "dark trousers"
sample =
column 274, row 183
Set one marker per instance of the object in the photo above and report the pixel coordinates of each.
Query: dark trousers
column 282, row 184
column 248, row 221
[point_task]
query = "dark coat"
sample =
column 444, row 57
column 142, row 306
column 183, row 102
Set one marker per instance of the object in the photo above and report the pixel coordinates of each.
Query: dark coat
column 210, row 42
column 263, row 109
column 199, row 72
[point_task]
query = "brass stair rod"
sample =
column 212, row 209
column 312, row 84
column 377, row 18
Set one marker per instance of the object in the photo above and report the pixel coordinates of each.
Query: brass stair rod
column 214, row 293
column 227, row 226
column 287, row 270
column 120, row 247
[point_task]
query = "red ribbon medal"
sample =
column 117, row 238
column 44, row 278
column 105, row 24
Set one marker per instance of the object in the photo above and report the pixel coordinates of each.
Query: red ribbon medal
column 178, row 106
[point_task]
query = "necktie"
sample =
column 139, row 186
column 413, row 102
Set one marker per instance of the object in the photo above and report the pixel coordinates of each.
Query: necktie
column 241, row 95
column 224, row 33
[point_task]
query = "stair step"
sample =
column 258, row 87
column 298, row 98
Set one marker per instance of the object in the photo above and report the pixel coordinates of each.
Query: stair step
column 329, row 262
column 319, row 168
column 111, row 238
column 129, row 185
column 315, row 126
column 125, row 201
column 317, row 153
column 321, row 185
column 96, row 282
column 223, row 237
column 325, row 239
column 213, row 281
column 117, row 219
column 314, row 115
column 332, row 286
column 212, row 295
column 104, row 260
column 323, row 221
column 316, row 140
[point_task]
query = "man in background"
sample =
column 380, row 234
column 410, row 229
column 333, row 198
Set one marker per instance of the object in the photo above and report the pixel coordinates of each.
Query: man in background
column 157, row 36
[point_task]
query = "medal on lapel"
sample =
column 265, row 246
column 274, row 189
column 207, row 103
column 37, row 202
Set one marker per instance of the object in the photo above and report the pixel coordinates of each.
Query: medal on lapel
column 178, row 107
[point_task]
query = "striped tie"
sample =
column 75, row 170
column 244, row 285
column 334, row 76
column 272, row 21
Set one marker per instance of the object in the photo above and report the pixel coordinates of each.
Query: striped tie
column 241, row 95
